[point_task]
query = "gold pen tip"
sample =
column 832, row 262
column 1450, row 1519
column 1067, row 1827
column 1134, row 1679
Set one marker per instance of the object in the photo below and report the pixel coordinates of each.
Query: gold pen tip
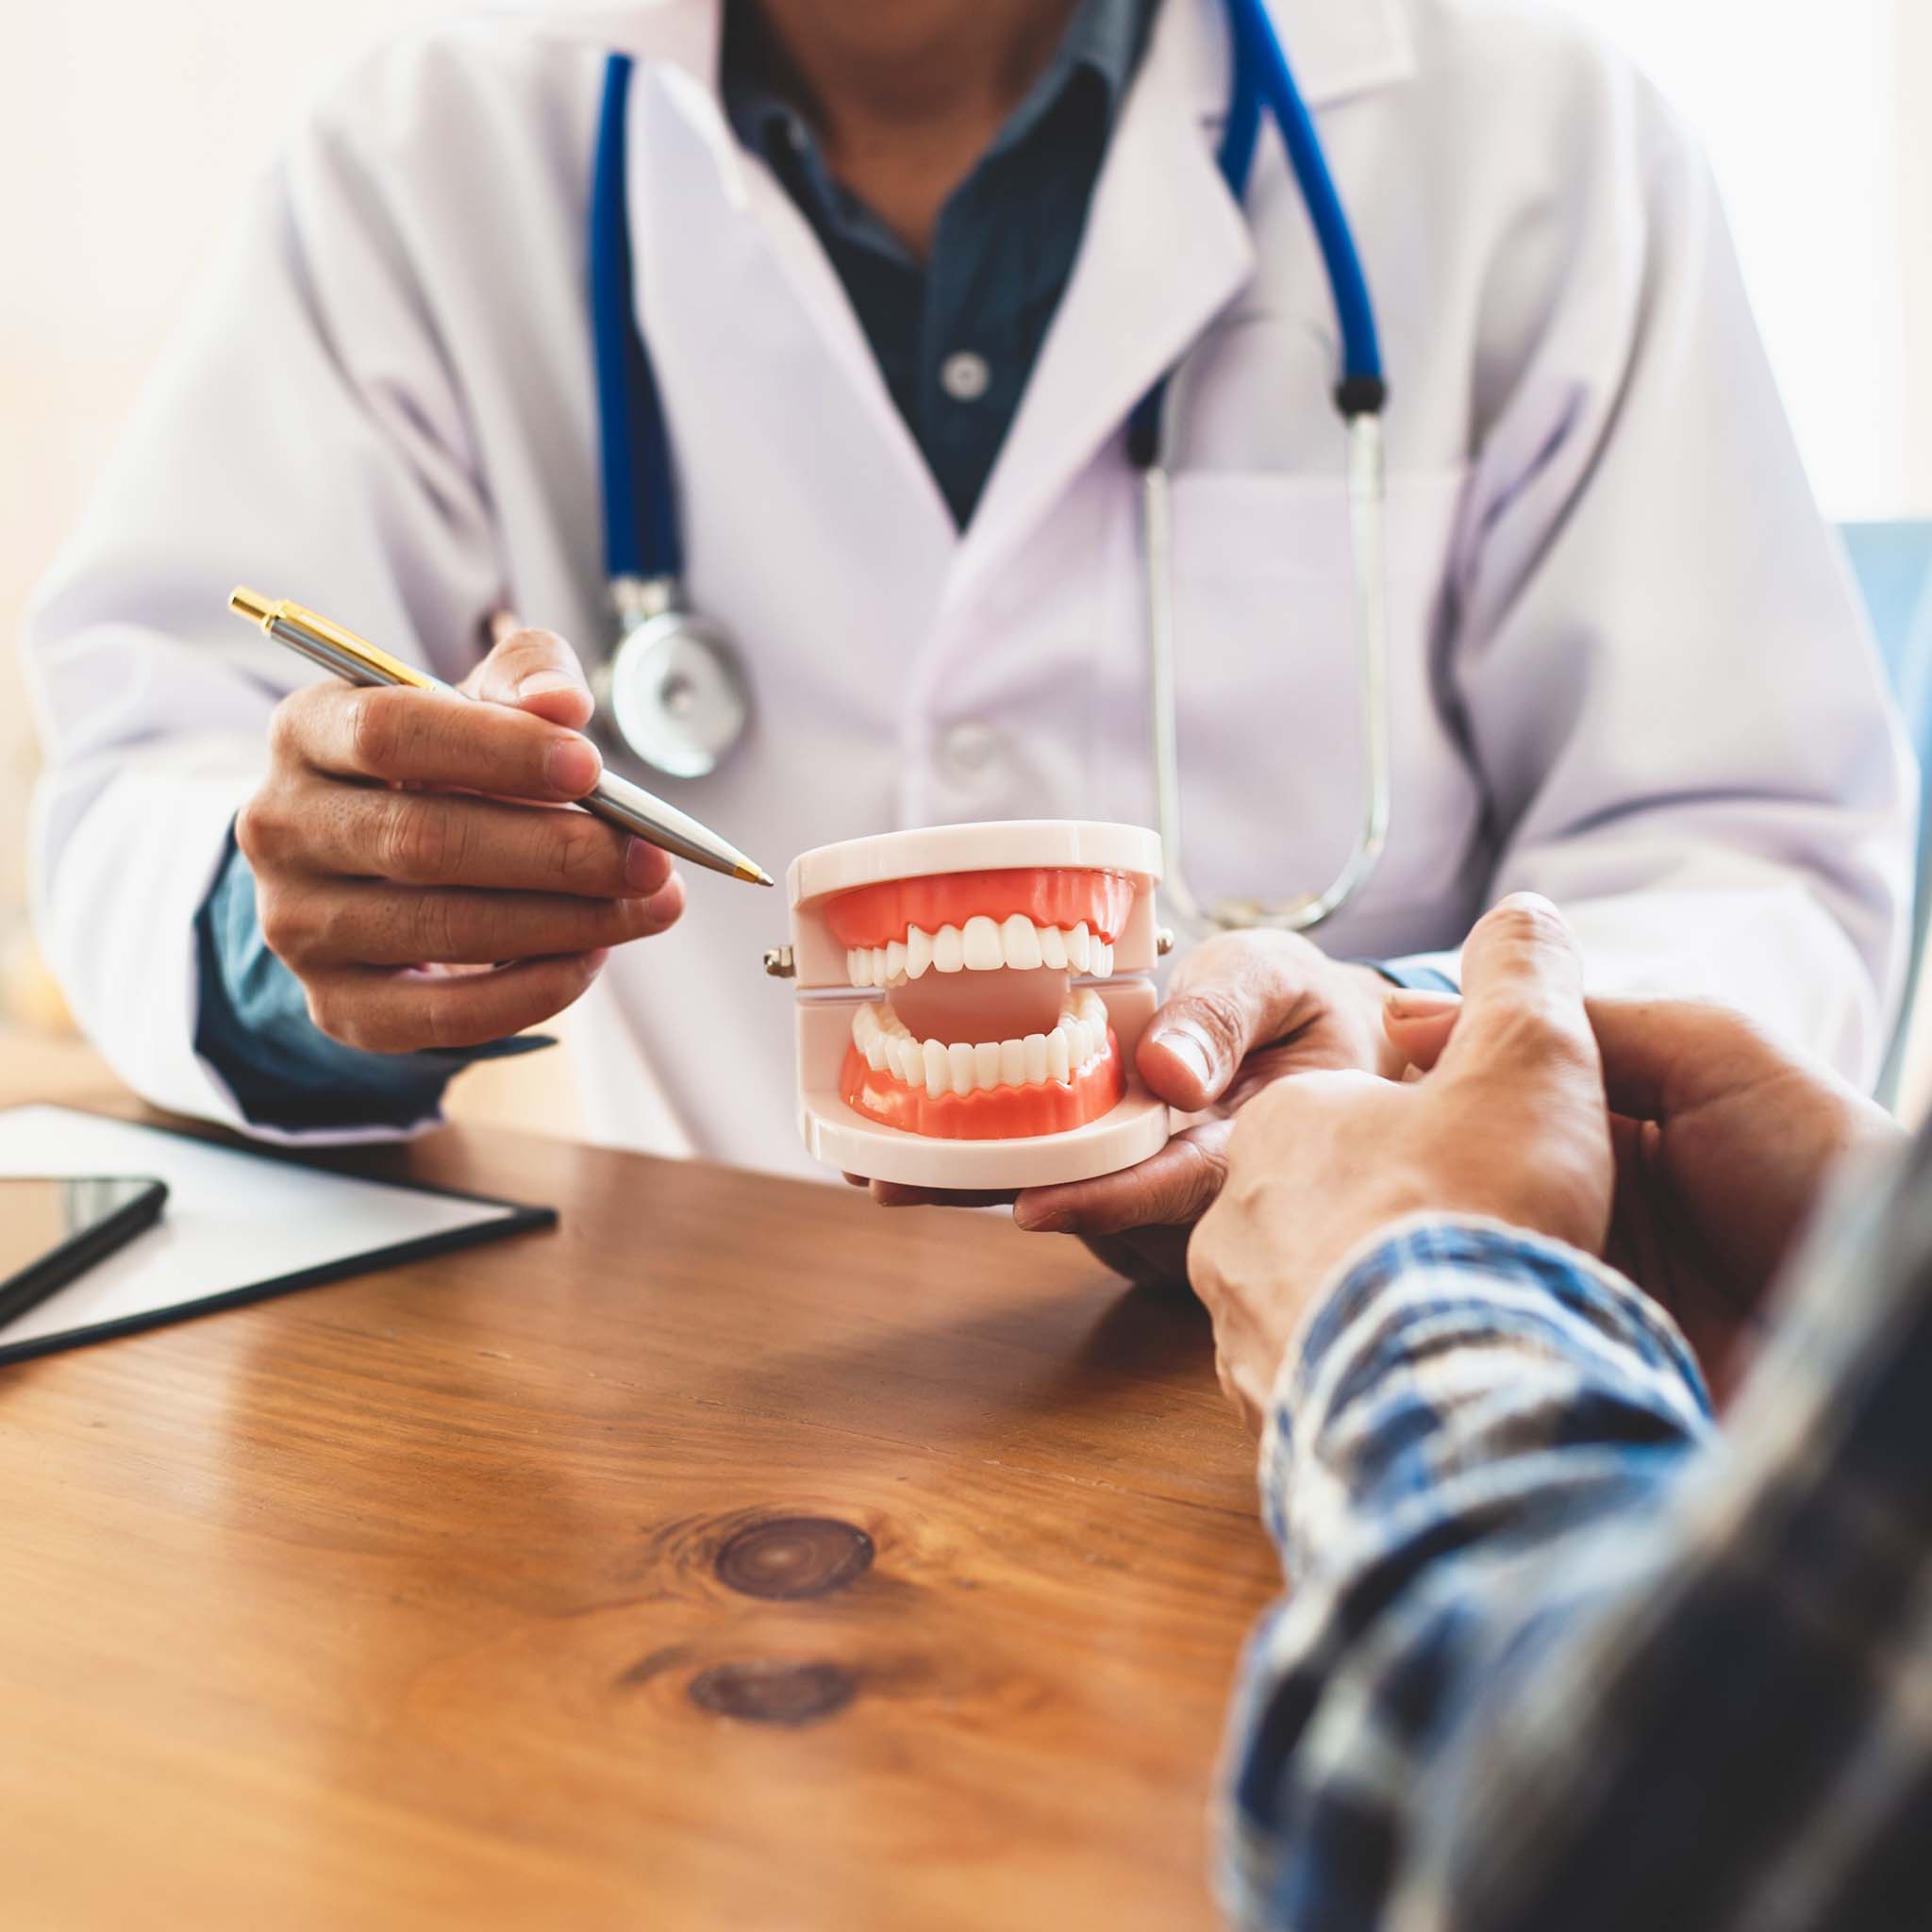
column 754, row 875
column 249, row 604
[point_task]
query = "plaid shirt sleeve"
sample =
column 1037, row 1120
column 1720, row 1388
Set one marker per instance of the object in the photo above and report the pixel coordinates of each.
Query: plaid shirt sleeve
column 1554, row 1658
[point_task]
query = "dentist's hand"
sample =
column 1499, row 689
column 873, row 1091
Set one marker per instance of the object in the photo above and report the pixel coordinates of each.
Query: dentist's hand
column 402, row 874
column 1244, row 1009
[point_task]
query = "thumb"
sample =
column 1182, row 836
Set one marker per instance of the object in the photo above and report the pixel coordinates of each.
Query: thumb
column 1233, row 994
column 534, row 671
column 1521, row 989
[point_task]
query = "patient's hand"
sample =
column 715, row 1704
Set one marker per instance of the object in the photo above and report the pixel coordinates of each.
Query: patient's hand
column 1510, row 1124
column 1724, row 1143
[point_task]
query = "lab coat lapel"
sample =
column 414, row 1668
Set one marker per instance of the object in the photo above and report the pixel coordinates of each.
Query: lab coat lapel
column 695, row 138
column 1166, row 247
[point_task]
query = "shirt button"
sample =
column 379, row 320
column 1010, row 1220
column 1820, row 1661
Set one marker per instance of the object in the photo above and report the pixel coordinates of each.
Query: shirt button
column 964, row 377
column 969, row 751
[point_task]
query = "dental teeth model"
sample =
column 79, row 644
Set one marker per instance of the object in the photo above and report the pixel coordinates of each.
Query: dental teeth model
column 1001, row 971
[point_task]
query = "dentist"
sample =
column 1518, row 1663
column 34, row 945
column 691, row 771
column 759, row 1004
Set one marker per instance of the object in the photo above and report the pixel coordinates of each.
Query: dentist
column 904, row 273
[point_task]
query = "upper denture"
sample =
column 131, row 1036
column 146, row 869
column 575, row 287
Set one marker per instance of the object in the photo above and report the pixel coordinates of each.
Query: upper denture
column 981, row 945
column 1053, row 898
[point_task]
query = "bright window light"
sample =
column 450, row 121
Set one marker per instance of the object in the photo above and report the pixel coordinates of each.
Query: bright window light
column 1796, row 102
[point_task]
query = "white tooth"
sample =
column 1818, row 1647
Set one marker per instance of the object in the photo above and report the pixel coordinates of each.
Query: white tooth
column 979, row 945
column 1079, row 948
column 1103, row 959
column 1056, row 1054
column 986, row 1063
column 938, row 1070
column 865, row 1022
column 948, row 952
column 853, row 967
column 1021, row 943
column 1012, row 1063
column 911, row 1067
column 1036, row 1058
column 1092, row 1007
column 1053, row 947
column 875, row 1052
column 961, row 1055
column 1079, row 1043
column 918, row 952
column 878, row 965
column 895, row 962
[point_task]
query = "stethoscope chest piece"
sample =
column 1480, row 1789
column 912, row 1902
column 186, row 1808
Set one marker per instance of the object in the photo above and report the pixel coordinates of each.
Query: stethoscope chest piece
column 673, row 690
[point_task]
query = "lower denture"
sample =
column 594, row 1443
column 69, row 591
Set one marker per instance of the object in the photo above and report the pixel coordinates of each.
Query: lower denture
column 1044, row 1083
column 994, row 1114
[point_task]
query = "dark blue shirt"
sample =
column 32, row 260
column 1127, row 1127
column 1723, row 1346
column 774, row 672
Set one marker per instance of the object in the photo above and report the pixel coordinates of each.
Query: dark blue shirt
column 956, row 337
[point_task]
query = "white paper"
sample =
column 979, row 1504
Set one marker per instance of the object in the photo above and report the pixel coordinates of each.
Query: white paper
column 231, row 1219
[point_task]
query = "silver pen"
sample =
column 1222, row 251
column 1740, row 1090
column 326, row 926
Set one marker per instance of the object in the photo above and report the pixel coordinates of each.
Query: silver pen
column 615, row 800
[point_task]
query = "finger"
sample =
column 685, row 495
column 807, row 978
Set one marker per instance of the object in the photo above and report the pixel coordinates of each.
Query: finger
column 1174, row 1188
column 397, row 925
column 535, row 670
column 1521, row 990
column 1231, row 995
column 446, row 839
column 1419, row 1023
column 393, row 735
column 407, row 1012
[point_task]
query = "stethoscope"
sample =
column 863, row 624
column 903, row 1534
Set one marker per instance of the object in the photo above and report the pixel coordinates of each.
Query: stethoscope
column 674, row 688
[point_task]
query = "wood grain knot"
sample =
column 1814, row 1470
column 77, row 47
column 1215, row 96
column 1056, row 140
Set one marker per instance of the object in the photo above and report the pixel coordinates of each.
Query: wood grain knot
column 774, row 1693
column 790, row 1556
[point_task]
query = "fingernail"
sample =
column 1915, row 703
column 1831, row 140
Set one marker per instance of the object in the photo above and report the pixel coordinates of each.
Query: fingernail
column 1419, row 1002
column 537, row 682
column 644, row 867
column 1190, row 1048
column 573, row 766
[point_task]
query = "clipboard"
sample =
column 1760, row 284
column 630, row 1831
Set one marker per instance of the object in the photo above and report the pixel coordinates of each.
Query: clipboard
column 239, row 1227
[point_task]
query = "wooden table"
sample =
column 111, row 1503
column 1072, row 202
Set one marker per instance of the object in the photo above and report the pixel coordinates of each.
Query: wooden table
column 740, row 1554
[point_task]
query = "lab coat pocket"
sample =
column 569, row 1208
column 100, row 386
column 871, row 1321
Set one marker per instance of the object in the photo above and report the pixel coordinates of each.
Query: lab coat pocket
column 1268, row 691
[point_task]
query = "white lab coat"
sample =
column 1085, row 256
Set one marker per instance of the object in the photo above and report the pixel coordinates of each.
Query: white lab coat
column 1628, row 666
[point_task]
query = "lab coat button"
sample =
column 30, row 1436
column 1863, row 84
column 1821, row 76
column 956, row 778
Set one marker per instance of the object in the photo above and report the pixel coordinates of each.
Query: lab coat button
column 971, row 751
column 964, row 377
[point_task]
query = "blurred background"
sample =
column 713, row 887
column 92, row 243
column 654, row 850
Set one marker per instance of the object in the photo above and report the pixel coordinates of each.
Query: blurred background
column 130, row 132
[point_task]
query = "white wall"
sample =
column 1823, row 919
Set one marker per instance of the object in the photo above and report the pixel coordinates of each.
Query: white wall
column 1802, row 107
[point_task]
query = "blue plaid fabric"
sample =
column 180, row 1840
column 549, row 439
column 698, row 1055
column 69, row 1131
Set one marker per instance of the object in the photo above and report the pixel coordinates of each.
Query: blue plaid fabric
column 1560, row 1658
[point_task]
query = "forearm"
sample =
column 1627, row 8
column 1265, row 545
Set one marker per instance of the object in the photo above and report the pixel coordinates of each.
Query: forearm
column 1463, row 1408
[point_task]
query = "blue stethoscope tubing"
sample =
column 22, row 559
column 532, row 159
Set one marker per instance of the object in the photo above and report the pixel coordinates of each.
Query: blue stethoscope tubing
column 643, row 552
